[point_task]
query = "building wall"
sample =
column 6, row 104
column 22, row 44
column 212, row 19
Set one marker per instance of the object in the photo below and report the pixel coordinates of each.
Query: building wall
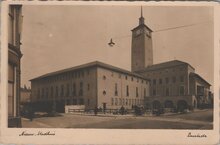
column 84, row 93
column 168, row 81
column 107, row 81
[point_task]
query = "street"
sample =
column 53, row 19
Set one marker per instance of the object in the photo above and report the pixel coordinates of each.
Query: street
column 200, row 119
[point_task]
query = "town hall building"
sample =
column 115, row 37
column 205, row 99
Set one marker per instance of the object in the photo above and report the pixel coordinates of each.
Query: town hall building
column 172, row 84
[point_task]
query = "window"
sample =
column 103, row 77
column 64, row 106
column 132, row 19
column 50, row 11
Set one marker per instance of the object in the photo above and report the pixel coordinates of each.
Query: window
column 88, row 87
column 116, row 89
column 42, row 93
column 104, row 77
column 127, row 90
column 136, row 91
column 82, row 73
column 160, row 81
column 144, row 92
column 104, row 92
column 74, row 89
column 154, row 92
column 167, row 91
column 47, row 92
column 56, row 94
column 67, row 90
column 167, row 80
column 38, row 93
column 174, row 79
column 181, row 90
column 61, row 93
column 81, row 89
column 51, row 91
column 154, row 81
column 126, row 77
column 181, row 78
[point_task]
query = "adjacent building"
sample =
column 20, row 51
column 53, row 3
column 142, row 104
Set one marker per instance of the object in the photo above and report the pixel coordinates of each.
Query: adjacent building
column 14, row 69
column 95, row 84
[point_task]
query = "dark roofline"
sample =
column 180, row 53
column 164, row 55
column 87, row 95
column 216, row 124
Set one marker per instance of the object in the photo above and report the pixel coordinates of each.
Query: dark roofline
column 141, row 26
column 87, row 65
column 198, row 76
column 153, row 69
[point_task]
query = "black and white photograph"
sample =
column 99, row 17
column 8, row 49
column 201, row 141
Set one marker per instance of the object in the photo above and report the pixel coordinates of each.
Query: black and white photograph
column 110, row 66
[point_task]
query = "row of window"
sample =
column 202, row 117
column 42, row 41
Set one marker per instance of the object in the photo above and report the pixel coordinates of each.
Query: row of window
column 167, row 91
column 127, row 78
column 166, row 71
column 166, row 80
column 127, row 91
column 126, row 102
column 59, row 91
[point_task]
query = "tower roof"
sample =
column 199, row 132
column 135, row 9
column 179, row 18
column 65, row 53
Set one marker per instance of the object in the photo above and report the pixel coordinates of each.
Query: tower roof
column 141, row 22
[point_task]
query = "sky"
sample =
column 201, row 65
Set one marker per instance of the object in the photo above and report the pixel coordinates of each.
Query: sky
column 59, row 37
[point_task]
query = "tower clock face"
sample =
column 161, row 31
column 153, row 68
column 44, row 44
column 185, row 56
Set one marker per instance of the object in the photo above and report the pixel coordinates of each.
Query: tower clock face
column 138, row 32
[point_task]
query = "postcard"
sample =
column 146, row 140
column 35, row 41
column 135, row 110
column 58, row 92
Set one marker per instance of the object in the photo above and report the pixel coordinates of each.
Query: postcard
column 76, row 72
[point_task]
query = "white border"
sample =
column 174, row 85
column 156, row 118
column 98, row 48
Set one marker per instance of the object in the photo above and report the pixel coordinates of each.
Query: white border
column 105, row 136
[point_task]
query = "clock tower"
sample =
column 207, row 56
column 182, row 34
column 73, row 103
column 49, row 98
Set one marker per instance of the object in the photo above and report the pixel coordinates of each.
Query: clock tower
column 141, row 47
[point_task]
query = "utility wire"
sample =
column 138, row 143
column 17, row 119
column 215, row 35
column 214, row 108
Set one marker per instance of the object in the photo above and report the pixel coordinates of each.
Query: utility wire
column 172, row 28
column 166, row 29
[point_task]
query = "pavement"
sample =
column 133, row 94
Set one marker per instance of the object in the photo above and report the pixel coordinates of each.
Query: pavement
column 199, row 119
